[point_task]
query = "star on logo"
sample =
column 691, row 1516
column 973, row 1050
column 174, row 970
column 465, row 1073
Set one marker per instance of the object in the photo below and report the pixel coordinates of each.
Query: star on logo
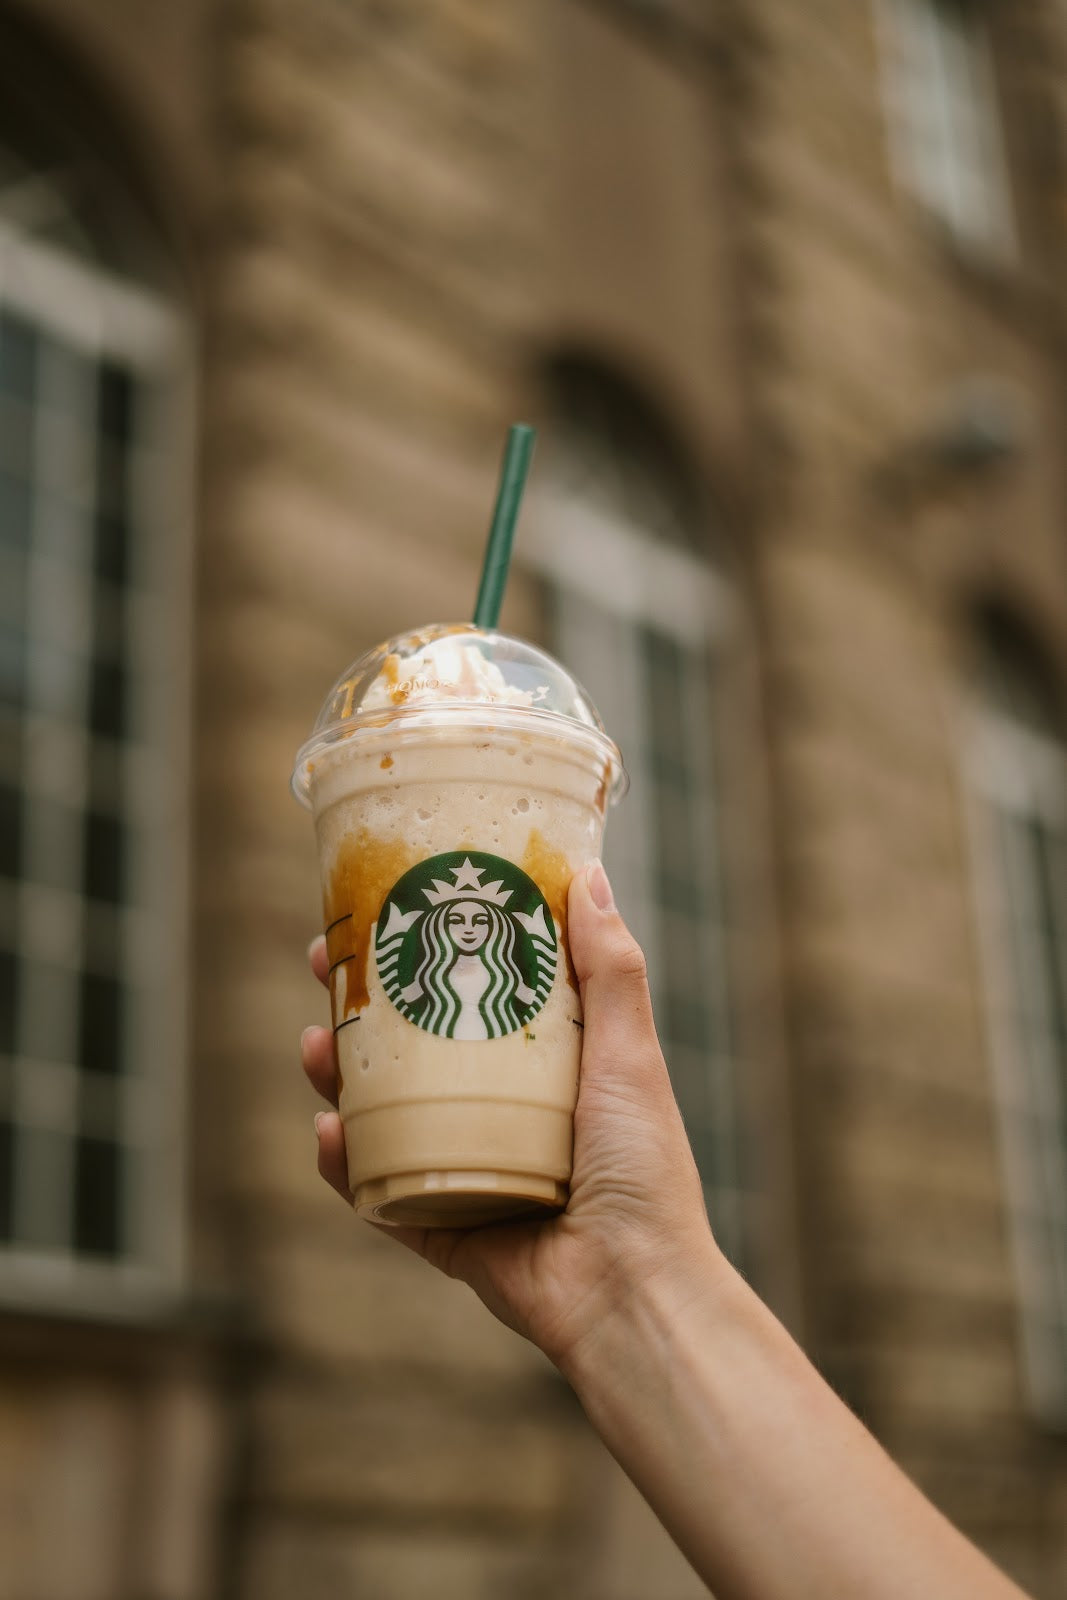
column 467, row 875
column 468, row 884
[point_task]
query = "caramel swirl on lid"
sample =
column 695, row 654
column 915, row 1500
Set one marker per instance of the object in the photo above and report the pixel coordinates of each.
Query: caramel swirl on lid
column 601, row 799
column 391, row 674
column 445, row 668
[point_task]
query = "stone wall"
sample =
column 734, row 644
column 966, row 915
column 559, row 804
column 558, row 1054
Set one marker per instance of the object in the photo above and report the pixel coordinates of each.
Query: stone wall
column 393, row 215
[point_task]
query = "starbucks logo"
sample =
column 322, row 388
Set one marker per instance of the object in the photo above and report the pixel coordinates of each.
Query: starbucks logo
column 466, row 946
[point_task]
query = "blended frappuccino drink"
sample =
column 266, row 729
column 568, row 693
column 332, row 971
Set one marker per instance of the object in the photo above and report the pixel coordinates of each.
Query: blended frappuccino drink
column 458, row 779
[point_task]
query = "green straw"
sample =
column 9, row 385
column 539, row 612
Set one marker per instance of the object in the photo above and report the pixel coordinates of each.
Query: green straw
column 516, row 464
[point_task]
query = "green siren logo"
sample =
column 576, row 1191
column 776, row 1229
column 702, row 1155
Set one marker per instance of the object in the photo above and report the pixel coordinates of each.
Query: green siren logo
column 466, row 946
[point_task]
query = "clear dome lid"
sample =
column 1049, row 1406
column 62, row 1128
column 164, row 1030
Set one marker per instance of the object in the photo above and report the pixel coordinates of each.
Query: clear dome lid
column 451, row 673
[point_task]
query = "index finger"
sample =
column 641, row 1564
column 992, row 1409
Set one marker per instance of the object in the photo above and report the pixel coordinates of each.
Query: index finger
column 320, row 964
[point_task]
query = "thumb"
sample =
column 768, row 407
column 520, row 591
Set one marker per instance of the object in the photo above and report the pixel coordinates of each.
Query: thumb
column 620, row 1041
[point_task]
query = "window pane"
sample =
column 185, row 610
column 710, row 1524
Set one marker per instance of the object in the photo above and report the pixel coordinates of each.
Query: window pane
column 7, row 1151
column 97, row 1197
column 107, row 699
column 111, row 534
column 15, row 512
column 10, row 829
column 8, row 981
column 110, row 545
column 103, row 870
column 105, row 776
column 16, row 440
column 100, row 1012
column 17, row 356
column 1046, row 853
column 115, row 402
column 12, row 665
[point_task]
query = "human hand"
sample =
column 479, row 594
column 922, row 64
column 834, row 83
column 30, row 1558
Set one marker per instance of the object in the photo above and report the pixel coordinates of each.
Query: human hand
column 636, row 1208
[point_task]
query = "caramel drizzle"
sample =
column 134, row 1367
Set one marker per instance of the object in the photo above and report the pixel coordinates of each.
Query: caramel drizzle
column 363, row 873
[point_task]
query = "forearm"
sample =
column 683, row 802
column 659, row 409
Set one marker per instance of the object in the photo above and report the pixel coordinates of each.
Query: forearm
column 767, row 1482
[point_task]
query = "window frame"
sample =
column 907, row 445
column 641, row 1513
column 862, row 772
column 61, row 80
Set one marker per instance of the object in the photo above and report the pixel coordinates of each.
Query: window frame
column 961, row 179
column 584, row 551
column 1018, row 773
column 103, row 315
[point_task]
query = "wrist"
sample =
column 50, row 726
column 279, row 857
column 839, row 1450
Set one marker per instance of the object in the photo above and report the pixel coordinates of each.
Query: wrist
column 644, row 1307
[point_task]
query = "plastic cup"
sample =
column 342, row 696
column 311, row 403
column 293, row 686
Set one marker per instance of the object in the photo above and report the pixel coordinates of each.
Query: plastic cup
column 458, row 779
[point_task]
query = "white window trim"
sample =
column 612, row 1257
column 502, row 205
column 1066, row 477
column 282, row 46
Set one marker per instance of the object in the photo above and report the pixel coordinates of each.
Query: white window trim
column 88, row 305
column 635, row 576
column 104, row 315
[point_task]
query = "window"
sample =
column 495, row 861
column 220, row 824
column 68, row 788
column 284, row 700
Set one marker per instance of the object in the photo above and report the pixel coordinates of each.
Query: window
column 944, row 122
column 92, row 598
column 1018, row 766
column 636, row 613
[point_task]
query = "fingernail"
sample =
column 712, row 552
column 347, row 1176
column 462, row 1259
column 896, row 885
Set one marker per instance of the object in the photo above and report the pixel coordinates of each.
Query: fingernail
column 304, row 1036
column 318, row 1119
column 599, row 887
column 312, row 944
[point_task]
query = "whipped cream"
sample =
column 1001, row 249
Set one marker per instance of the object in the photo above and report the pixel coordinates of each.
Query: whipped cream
column 445, row 669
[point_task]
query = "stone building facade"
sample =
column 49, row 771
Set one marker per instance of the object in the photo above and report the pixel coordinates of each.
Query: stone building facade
column 782, row 286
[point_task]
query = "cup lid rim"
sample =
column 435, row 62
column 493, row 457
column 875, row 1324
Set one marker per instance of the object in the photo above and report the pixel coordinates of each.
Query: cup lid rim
column 407, row 721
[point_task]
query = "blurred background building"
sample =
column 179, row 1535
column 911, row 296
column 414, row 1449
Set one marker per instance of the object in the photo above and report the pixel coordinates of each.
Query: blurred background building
column 783, row 286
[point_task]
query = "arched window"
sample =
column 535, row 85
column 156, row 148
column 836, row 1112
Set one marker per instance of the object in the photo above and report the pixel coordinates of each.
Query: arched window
column 94, row 553
column 636, row 609
column 1018, row 768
